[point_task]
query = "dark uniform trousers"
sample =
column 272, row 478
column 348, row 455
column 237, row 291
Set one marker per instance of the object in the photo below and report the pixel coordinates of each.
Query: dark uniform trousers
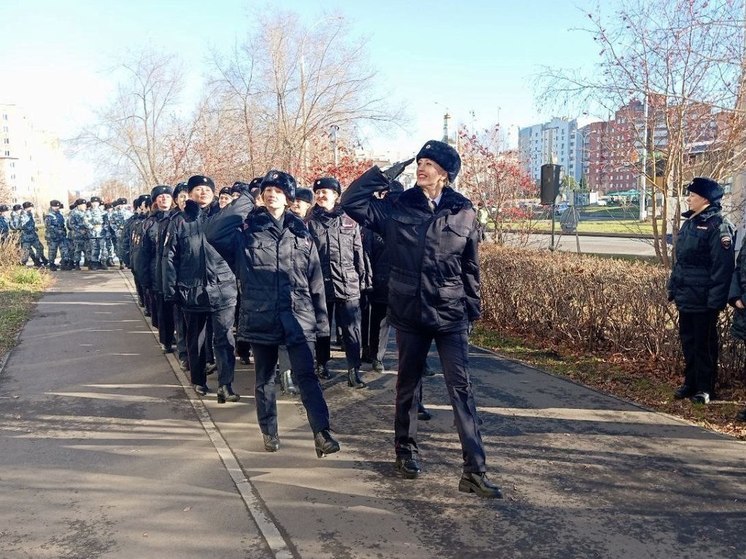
column 180, row 327
column 453, row 348
column 699, row 343
column 301, row 361
column 377, row 314
column 346, row 314
column 165, row 320
column 223, row 344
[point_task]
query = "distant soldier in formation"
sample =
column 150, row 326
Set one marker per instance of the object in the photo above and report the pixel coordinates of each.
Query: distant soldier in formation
column 56, row 236
column 94, row 224
column 78, row 232
column 108, row 238
column 120, row 213
column 30, row 244
column 4, row 226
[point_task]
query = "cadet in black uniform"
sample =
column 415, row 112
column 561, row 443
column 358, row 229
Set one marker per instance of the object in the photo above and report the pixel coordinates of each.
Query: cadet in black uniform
column 699, row 286
column 431, row 237
column 343, row 262
column 282, row 289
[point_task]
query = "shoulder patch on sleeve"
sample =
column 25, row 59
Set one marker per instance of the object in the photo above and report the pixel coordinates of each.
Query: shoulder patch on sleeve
column 726, row 241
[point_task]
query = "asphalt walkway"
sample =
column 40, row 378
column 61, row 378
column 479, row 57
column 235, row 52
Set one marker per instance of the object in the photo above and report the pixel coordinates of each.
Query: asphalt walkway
column 105, row 452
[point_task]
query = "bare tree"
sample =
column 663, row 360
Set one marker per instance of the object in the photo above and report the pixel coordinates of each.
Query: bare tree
column 111, row 189
column 681, row 61
column 496, row 180
column 288, row 83
column 132, row 132
column 6, row 194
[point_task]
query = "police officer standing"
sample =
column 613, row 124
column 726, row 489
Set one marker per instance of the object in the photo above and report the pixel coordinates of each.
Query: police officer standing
column 699, row 285
column 343, row 263
column 432, row 239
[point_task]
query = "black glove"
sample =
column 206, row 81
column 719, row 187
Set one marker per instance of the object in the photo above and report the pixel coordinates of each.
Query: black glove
column 397, row 169
column 191, row 209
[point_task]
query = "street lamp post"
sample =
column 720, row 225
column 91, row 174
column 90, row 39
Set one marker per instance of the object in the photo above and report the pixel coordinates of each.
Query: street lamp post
column 333, row 129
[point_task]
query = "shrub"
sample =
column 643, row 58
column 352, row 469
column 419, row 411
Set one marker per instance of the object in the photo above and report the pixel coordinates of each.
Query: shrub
column 10, row 251
column 610, row 307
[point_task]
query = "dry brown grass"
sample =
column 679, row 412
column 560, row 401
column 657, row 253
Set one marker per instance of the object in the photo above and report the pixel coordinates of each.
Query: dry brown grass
column 604, row 322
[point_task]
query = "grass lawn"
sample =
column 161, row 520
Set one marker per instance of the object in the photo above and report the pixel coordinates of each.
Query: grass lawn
column 20, row 288
column 629, row 227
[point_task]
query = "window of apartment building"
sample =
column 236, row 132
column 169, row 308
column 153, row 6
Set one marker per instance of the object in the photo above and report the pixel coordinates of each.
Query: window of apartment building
column 7, row 154
column 5, row 129
column 12, row 177
column 5, row 117
column 6, row 140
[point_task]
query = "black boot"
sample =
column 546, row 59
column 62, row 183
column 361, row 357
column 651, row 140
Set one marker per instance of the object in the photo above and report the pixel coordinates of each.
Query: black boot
column 322, row 371
column 325, row 443
column 101, row 265
column 110, row 262
column 353, row 378
column 53, row 267
column 226, row 394
column 271, row 443
column 479, row 484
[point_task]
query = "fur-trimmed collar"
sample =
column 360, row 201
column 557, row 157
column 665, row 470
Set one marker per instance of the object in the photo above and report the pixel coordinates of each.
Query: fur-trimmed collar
column 324, row 216
column 260, row 220
column 449, row 200
column 704, row 215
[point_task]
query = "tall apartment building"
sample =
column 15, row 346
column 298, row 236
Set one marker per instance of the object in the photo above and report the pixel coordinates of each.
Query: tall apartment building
column 31, row 161
column 557, row 141
column 612, row 158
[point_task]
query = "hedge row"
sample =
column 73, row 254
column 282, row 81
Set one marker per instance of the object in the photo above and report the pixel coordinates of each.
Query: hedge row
column 595, row 305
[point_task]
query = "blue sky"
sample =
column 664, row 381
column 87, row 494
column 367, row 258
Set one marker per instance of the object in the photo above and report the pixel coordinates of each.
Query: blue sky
column 467, row 56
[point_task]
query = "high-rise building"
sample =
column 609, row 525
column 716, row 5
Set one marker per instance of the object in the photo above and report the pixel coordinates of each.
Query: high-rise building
column 31, row 161
column 556, row 141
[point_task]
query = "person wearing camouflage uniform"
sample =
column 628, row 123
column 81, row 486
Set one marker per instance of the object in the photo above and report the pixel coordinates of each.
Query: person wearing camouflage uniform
column 30, row 243
column 4, row 226
column 108, row 239
column 94, row 224
column 56, row 237
column 117, row 220
column 78, row 231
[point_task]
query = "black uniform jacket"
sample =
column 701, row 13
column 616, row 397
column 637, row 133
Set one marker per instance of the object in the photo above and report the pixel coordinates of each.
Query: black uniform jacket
column 704, row 262
column 136, row 233
column 434, row 274
column 282, row 287
column 340, row 247
column 194, row 274
column 375, row 251
column 127, row 239
column 150, row 258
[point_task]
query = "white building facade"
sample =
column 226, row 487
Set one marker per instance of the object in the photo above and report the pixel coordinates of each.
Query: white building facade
column 557, row 141
column 32, row 161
